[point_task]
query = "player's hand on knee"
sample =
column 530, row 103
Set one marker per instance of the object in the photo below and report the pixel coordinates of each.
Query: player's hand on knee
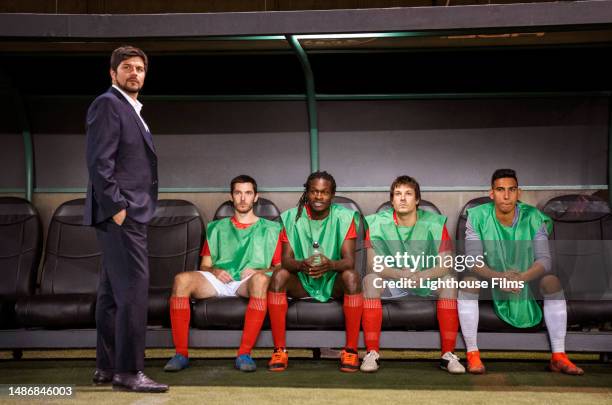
column 223, row 276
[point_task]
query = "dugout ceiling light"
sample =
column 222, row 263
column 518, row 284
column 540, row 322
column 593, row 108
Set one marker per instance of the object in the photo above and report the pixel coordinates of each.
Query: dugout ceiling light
column 498, row 36
column 351, row 40
column 360, row 35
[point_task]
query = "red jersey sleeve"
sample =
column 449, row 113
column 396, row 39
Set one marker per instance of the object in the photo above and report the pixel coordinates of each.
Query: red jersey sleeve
column 446, row 244
column 352, row 231
column 283, row 236
column 276, row 259
column 205, row 250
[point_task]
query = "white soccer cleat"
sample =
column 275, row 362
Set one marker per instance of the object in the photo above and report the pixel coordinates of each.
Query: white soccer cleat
column 370, row 362
column 450, row 362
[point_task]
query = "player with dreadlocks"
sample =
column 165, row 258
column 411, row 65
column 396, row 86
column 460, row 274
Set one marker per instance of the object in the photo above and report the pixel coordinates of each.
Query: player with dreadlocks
column 317, row 263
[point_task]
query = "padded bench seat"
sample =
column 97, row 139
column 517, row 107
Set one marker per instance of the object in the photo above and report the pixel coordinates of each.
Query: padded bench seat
column 307, row 314
column 57, row 311
column 406, row 313
column 69, row 280
column 20, row 250
column 7, row 312
column 159, row 310
column 69, row 311
column 67, row 293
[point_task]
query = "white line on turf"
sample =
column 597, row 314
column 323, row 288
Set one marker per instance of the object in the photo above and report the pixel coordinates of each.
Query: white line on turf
column 151, row 400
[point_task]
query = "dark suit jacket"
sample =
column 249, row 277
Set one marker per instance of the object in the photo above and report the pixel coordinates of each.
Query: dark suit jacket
column 121, row 161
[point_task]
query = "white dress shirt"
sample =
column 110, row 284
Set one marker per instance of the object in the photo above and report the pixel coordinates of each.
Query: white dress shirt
column 134, row 103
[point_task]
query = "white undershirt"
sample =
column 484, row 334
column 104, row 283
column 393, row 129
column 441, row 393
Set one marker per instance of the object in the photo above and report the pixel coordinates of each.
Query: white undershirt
column 134, row 103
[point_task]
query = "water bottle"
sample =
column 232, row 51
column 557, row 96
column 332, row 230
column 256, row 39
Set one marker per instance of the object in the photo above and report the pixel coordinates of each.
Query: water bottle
column 316, row 253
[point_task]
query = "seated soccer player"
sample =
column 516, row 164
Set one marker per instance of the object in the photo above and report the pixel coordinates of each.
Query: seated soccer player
column 237, row 257
column 318, row 261
column 406, row 229
column 513, row 239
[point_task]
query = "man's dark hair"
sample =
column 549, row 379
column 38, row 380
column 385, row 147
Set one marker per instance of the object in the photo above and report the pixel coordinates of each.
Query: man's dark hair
column 243, row 178
column 503, row 173
column 406, row 181
column 125, row 52
column 313, row 176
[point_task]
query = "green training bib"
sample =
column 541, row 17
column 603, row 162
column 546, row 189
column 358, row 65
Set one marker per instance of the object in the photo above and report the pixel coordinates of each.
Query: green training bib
column 421, row 240
column 233, row 249
column 511, row 248
column 329, row 232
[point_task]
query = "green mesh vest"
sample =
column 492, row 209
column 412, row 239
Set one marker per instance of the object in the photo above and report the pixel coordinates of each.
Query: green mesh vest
column 509, row 248
column 329, row 232
column 234, row 250
column 422, row 239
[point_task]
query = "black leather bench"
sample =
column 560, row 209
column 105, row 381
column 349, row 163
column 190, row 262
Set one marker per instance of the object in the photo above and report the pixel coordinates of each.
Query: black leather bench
column 175, row 241
column 20, row 249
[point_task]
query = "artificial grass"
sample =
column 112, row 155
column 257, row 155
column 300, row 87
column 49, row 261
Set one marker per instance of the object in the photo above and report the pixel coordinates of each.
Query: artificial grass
column 212, row 379
column 350, row 396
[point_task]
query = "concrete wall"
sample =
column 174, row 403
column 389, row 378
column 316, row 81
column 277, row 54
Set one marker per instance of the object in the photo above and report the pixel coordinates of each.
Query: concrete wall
column 443, row 143
column 453, row 145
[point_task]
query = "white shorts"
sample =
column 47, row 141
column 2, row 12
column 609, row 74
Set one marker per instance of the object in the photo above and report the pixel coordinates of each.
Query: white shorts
column 223, row 289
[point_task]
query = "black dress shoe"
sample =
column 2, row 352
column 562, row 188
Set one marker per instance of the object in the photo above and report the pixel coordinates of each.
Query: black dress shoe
column 138, row 382
column 102, row 377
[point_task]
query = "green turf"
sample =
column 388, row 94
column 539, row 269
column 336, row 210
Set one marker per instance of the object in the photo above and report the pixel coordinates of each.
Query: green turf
column 394, row 374
column 213, row 380
column 351, row 396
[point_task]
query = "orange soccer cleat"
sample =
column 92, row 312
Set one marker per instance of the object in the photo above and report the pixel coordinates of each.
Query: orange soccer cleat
column 474, row 364
column 560, row 363
column 349, row 361
column 279, row 360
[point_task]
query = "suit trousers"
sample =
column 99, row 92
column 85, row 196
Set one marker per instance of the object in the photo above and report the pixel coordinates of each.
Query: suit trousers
column 122, row 303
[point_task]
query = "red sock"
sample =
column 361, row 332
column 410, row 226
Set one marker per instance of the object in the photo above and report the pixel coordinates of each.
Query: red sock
column 253, row 319
column 277, row 308
column 179, row 319
column 353, row 308
column 372, row 323
column 448, row 321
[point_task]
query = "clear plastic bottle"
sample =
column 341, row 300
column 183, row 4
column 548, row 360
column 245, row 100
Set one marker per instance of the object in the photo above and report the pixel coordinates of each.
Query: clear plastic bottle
column 316, row 253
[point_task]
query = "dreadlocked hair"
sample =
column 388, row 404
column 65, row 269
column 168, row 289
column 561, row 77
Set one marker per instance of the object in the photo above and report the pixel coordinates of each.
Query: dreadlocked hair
column 313, row 176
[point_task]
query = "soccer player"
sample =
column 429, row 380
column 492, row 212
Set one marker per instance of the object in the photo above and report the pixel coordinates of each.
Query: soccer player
column 406, row 229
column 237, row 257
column 318, row 261
column 513, row 237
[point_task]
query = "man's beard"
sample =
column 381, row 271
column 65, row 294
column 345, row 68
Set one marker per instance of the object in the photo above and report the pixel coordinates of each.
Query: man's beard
column 128, row 90
column 244, row 211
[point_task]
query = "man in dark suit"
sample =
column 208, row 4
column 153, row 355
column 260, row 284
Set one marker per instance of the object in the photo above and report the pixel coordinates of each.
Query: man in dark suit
column 121, row 199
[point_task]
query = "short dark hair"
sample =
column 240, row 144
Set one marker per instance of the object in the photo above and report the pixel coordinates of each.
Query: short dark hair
column 406, row 181
column 243, row 178
column 125, row 52
column 503, row 173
